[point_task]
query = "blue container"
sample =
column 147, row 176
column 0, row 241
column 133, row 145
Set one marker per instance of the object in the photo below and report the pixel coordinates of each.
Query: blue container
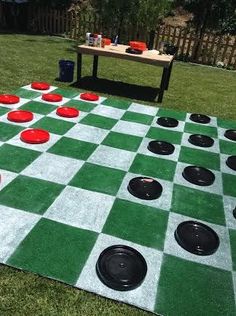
column 66, row 70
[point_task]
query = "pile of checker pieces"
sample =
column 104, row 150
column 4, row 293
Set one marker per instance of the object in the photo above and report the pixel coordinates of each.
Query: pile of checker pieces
column 132, row 202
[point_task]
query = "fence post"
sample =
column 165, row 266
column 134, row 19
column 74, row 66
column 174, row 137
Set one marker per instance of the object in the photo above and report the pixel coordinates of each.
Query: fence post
column 151, row 39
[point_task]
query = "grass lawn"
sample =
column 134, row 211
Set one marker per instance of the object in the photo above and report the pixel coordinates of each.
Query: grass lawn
column 25, row 59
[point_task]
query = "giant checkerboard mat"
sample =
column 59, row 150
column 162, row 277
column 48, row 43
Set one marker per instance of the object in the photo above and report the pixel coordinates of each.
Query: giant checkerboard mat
column 63, row 202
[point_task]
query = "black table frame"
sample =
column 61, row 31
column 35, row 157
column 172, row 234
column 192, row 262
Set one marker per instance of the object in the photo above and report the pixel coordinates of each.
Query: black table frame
column 165, row 79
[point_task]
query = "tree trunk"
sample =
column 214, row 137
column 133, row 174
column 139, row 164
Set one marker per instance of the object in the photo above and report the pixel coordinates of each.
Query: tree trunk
column 200, row 30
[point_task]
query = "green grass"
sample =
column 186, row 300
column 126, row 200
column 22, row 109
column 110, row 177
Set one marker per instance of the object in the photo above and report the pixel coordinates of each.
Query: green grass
column 25, row 59
column 192, row 88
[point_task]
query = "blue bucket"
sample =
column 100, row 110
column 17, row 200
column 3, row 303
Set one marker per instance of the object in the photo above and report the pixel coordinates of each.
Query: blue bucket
column 66, row 70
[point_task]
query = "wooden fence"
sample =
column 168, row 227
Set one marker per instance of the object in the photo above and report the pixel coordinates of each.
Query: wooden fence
column 210, row 49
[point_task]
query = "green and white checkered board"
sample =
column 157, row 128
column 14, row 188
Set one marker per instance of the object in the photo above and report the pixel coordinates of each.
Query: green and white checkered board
column 64, row 201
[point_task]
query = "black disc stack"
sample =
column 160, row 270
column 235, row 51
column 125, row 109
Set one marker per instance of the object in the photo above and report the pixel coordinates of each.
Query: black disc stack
column 121, row 268
column 198, row 175
column 201, row 140
column 167, row 122
column 200, row 118
column 160, row 147
column 230, row 134
column 231, row 162
column 145, row 188
column 197, row 238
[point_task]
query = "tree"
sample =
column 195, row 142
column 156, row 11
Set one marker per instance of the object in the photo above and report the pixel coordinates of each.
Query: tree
column 213, row 15
column 217, row 15
column 116, row 14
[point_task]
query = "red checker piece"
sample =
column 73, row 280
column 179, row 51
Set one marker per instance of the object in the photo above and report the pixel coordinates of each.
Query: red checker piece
column 89, row 96
column 20, row 116
column 9, row 99
column 66, row 111
column 35, row 136
column 52, row 97
column 40, row 85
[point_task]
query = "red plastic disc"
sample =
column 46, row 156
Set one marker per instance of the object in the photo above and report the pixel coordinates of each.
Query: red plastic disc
column 9, row 99
column 35, row 136
column 89, row 96
column 66, row 111
column 52, row 97
column 40, row 85
column 20, row 116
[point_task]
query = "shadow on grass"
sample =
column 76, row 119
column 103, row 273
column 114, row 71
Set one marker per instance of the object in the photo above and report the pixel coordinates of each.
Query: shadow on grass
column 117, row 88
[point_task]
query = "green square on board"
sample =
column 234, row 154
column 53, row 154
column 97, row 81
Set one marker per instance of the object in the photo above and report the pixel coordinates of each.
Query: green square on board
column 54, row 250
column 66, row 93
column 201, row 129
column 7, row 131
column 228, row 124
column 184, row 288
column 172, row 137
column 27, row 94
column 98, row 121
column 200, row 158
column 137, row 118
column 232, row 235
column 30, row 194
column 227, row 148
column 198, row 204
column 229, row 184
column 153, row 167
column 98, row 178
column 3, row 110
column 81, row 105
column 117, row 103
column 38, row 107
column 55, row 126
column 122, row 141
column 140, row 224
column 181, row 116
column 73, row 148
column 14, row 158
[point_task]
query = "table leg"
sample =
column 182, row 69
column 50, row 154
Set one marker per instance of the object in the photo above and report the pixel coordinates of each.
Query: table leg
column 95, row 66
column 79, row 66
column 168, row 76
column 164, row 84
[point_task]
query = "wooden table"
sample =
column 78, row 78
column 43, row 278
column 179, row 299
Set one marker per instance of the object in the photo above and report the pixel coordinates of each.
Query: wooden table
column 148, row 57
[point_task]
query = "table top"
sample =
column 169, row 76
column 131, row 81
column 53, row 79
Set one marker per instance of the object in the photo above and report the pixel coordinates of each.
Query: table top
column 148, row 57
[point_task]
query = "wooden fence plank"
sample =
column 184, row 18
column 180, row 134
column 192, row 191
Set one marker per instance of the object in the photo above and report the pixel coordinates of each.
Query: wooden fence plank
column 223, row 58
column 218, row 47
column 211, row 49
column 205, row 48
column 174, row 35
column 178, row 41
column 233, row 50
column 184, row 41
column 189, row 45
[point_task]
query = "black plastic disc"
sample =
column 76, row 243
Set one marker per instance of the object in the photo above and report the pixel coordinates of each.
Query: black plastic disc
column 198, row 175
column 231, row 162
column 200, row 118
column 201, row 140
column 145, row 188
column 234, row 212
column 160, row 147
column 167, row 122
column 121, row 268
column 134, row 51
column 197, row 238
column 231, row 134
